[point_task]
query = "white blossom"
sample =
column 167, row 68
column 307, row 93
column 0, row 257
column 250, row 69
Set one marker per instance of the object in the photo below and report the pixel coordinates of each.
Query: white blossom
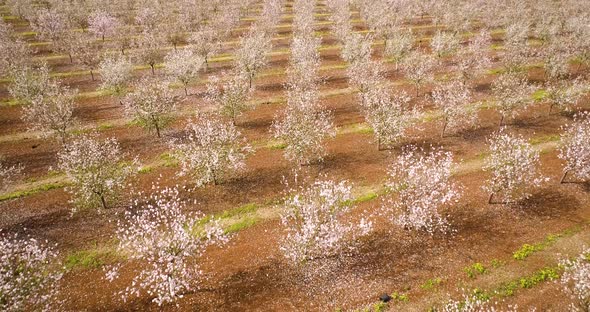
column 452, row 99
column 513, row 164
column 184, row 66
column 28, row 277
column 168, row 243
column 96, row 169
column 576, row 281
column 151, row 104
column 422, row 186
column 211, row 150
column 575, row 148
column 313, row 221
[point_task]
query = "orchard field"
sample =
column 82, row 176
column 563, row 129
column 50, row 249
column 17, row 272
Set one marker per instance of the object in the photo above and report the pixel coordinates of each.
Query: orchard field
column 294, row 155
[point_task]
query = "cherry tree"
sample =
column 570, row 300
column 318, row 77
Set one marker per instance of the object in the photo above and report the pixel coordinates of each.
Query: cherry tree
column 102, row 24
column 231, row 95
column 419, row 68
column 251, row 56
column 303, row 129
column 97, row 170
column 8, row 174
column 211, row 150
column 184, row 66
column 29, row 277
column 151, row 104
column 365, row 75
column 565, row 94
column 452, row 99
column 575, row 150
column 513, row 164
column 116, row 73
column 444, row 43
column 422, row 186
column 168, row 242
column 576, row 280
column 399, row 45
column 512, row 93
column 388, row 116
column 51, row 114
column 313, row 221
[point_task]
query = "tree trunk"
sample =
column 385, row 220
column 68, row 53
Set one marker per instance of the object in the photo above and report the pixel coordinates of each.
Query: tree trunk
column 502, row 121
column 158, row 130
column 550, row 108
column 442, row 134
column 563, row 177
column 250, row 81
column 379, row 144
column 153, row 71
column 214, row 178
column 102, row 37
column 71, row 59
column 103, row 201
column 185, row 91
column 92, row 75
column 490, row 198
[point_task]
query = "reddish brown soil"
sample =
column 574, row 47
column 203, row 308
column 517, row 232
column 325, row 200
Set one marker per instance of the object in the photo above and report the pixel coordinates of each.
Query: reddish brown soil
column 250, row 273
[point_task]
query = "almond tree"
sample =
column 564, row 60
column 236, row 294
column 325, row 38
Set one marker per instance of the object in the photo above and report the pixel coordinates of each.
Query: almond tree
column 474, row 59
column 357, row 47
column 388, row 116
column 148, row 49
column 115, row 73
column 184, row 66
column 96, row 169
column 14, row 53
column 29, row 84
column 422, row 186
column 565, row 94
column 513, row 164
column 150, row 104
column 122, row 38
column 231, row 96
column 444, row 43
column 314, row 225
column 303, row 128
column 575, row 150
column 516, row 49
column 251, row 56
column 211, row 150
column 29, row 279
column 556, row 59
column 87, row 56
column 399, row 45
column 51, row 114
column 576, row 281
column 419, row 69
column 102, row 24
column 452, row 99
column 204, row 43
column 50, row 25
column 168, row 242
column 512, row 92
column 8, row 174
